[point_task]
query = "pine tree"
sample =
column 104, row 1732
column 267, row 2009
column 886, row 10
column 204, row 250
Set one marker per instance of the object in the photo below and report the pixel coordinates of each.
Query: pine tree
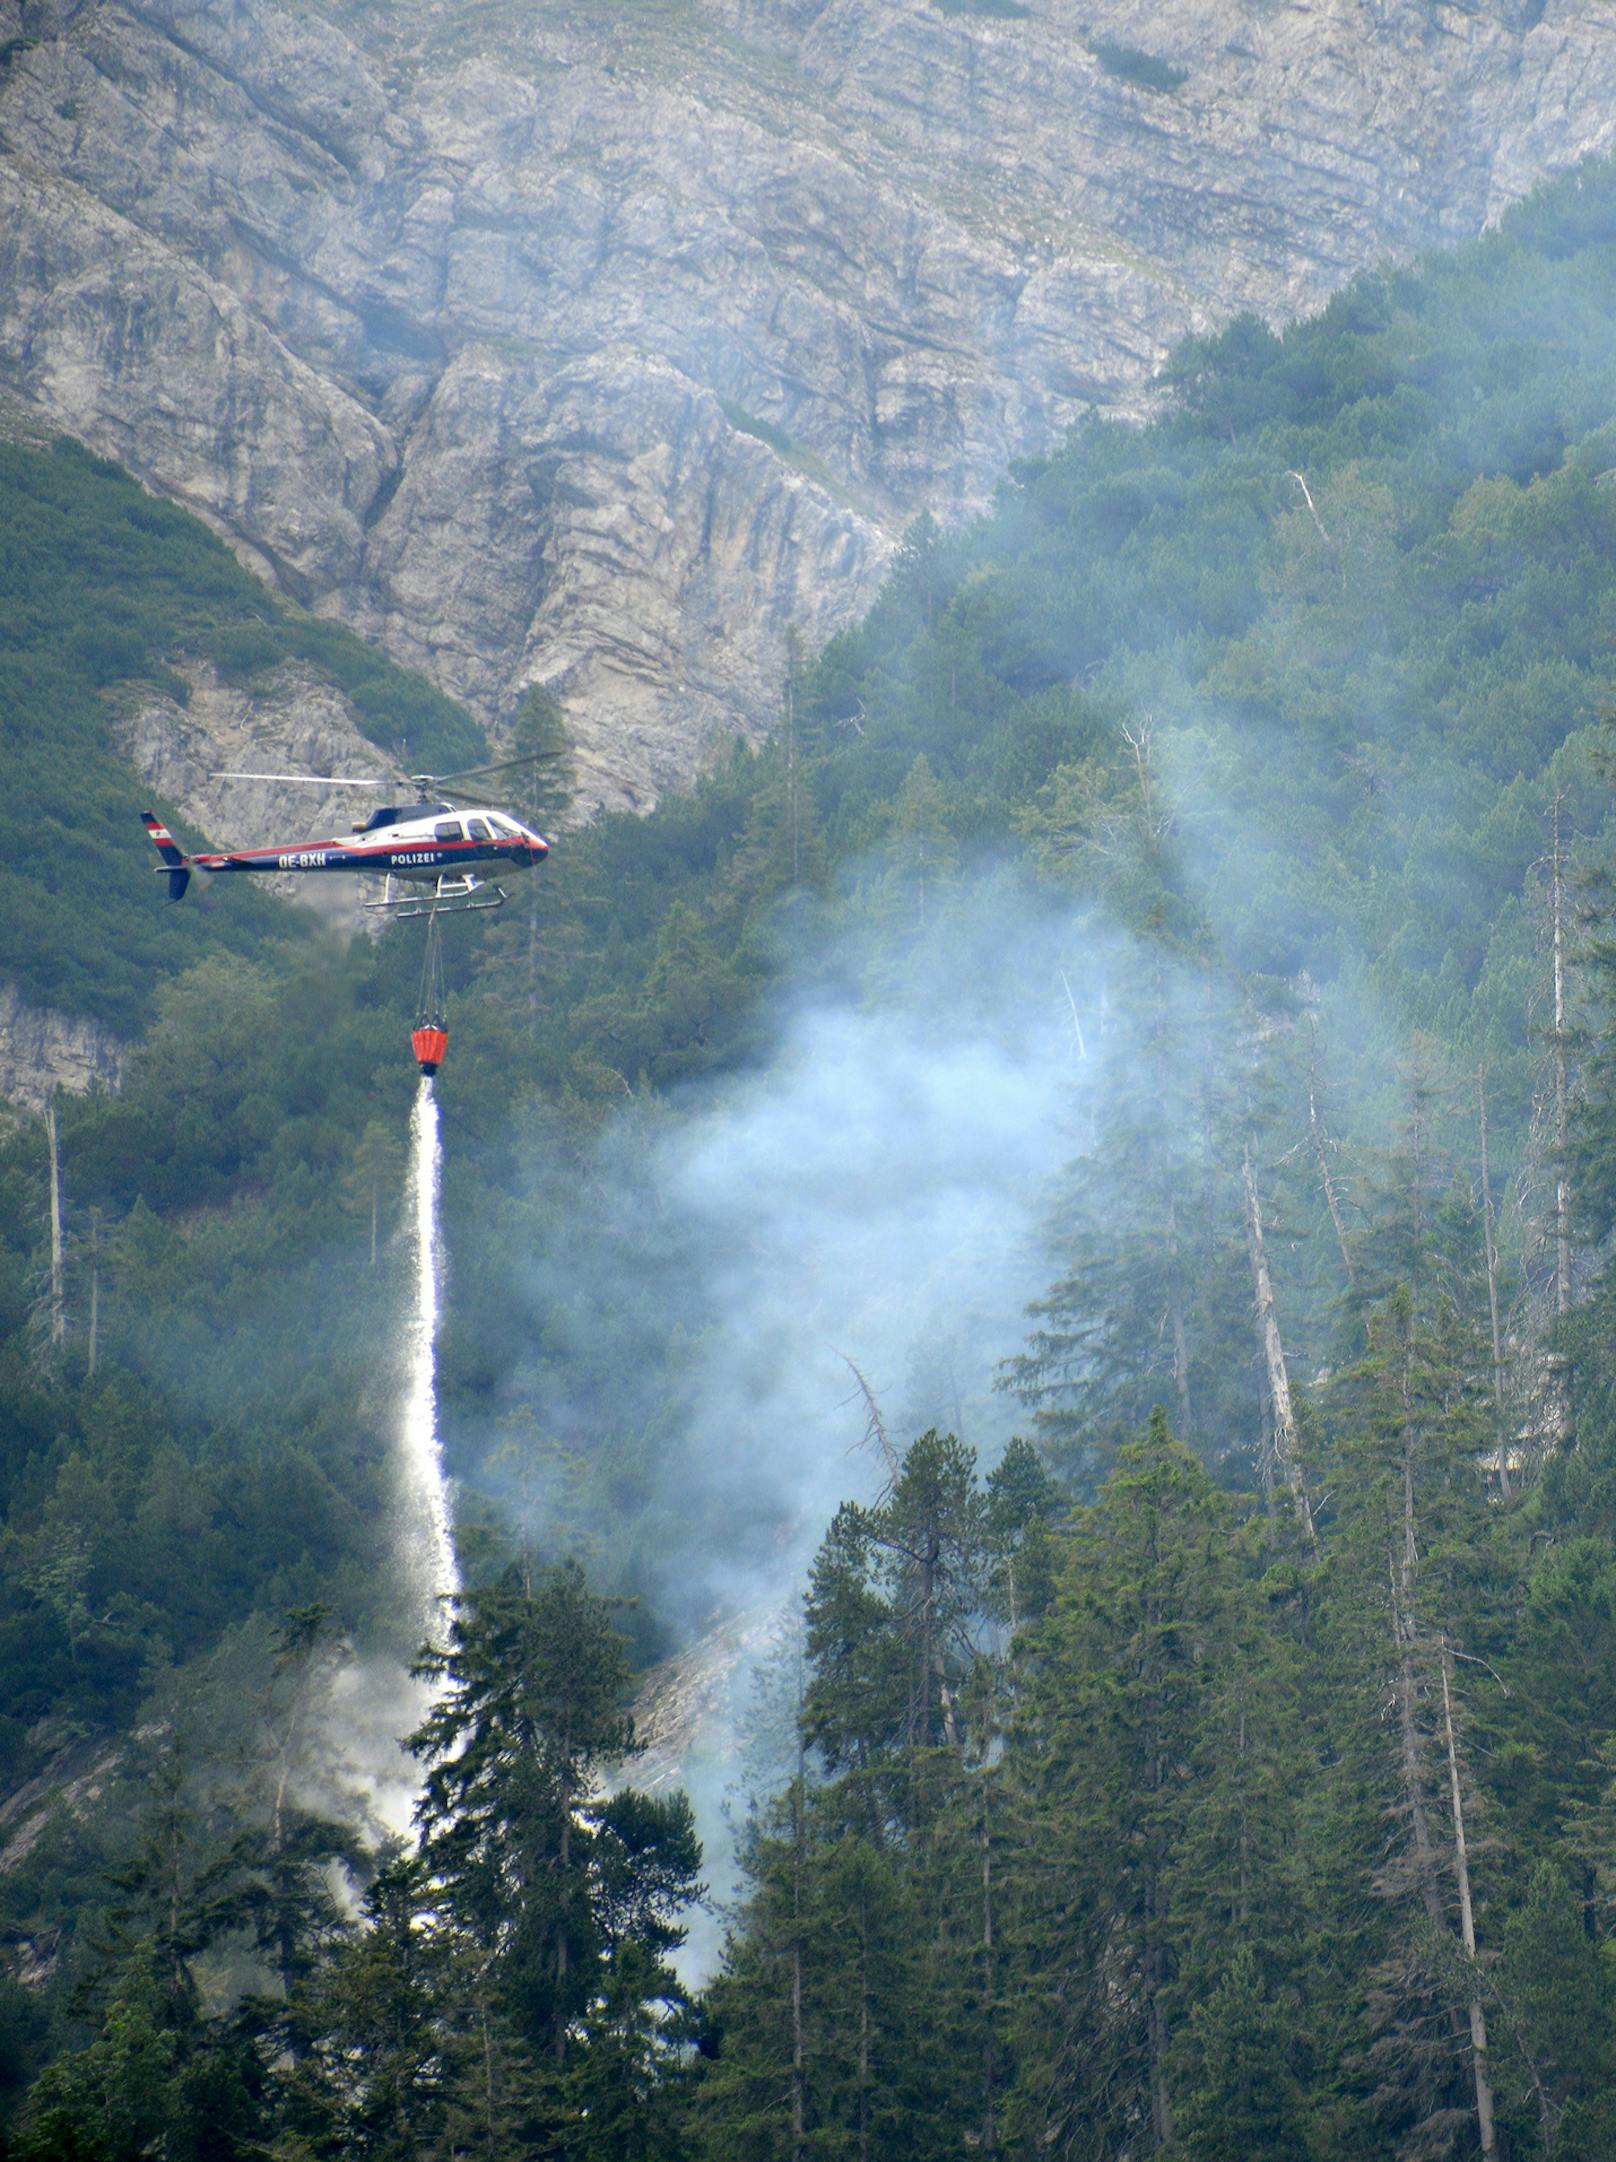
column 1023, row 1501
column 896, row 1594
column 570, row 1899
column 1152, row 1303
column 1113, row 1700
column 1242, row 2102
column 160, row 2076
column 145, row 2086
column 1409, row 1582
column 1557, row 2024
column 393, row 2047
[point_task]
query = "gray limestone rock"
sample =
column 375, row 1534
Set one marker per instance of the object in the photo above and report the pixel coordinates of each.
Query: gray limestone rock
column 41, row 1051
column 290, row 721
column 598, row 347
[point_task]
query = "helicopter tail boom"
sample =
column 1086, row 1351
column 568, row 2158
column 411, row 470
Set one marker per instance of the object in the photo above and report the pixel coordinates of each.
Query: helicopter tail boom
column 174, row 861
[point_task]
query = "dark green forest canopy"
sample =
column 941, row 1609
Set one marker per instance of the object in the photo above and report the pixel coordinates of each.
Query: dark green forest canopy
column 1283, row 687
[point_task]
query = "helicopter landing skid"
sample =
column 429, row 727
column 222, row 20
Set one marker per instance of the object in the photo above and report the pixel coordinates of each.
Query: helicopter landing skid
column 452, row 896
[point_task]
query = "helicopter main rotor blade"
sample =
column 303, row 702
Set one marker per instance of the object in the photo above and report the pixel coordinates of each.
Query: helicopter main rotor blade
column 305, row 780
column 483, row 773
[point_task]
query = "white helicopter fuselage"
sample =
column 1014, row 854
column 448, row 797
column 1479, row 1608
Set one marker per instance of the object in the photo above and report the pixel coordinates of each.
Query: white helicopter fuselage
column 437, row 844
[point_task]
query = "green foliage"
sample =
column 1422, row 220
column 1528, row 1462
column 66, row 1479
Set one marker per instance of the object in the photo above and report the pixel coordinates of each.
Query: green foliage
column 749, row 424
column 1124, row 1823
column 1555, row 1989
column 234, row 2003
column 569, row 1896
column 1246, row 2102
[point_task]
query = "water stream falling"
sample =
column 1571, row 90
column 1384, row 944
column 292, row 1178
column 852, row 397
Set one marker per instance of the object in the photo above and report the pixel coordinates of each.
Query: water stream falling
column 375, row 1701
column 426, row 1545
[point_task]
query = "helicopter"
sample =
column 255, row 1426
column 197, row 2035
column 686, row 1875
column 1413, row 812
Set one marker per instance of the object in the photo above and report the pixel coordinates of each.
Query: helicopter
column 438, row 845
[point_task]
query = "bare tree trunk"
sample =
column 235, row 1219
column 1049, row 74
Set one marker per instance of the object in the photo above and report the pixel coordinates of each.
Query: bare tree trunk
column 1154, row 1965
column 1181, row 1356
column 1492, row 1289
column 1077, row 1026
column 1287, row 1442
column 1313, row 511
column 1161, row 2105
column 990, row 2122
column 945, row 1698
column 864, row 2031
column 58, row 1311
column 563, row 1959
column 1404, row 1572
column 931, row 1665
column 1562, row 1189
column 799, row 2134
column 1467, row 1928
column 93, row 1343
column 488, row 2073
column 875, row 1427
column 1315, row 1127
column 799, row 2110
column 1419, row 1822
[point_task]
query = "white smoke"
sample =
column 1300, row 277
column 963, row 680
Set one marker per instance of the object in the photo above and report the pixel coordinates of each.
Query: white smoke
column 873, row 1190
column 869, row 1201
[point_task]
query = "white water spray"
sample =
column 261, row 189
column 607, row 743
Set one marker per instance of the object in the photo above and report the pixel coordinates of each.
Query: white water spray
column 375, row 1701
column 426, row 1545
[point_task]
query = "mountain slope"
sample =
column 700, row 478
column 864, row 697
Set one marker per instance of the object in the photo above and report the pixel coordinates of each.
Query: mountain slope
column 604, row 351
column 1189, row 830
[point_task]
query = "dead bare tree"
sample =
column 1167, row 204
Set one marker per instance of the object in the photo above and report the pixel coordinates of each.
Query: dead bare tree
column 1321, row 1153
column 93, row 1247
column 1491, row 1242
column 57, row 1309
column 1467, row 1925
column 1287, row 1440
column 1562, row 1187
column 875, row 1435
column 1312, row 509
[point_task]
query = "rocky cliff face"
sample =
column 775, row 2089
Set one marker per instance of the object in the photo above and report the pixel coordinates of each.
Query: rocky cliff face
column 41, row 1050
column 290, row 721
column 596, row 347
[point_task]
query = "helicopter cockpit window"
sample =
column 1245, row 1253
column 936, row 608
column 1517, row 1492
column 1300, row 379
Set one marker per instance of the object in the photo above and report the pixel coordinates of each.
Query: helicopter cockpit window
column 478, row 829
column 448, row 831
column 504, row 828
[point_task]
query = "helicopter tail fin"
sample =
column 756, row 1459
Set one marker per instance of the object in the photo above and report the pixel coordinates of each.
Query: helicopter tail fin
column 179, row 871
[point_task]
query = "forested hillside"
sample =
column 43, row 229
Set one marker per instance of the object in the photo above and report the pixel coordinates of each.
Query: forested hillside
column 1222, row 1769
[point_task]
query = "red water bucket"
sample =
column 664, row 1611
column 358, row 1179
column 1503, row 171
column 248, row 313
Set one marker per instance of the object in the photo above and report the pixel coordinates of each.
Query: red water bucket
column 429, row 1045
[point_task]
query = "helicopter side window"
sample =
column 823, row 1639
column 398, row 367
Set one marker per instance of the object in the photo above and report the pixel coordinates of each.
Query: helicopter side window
column 478, row 829
column 448, row 831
